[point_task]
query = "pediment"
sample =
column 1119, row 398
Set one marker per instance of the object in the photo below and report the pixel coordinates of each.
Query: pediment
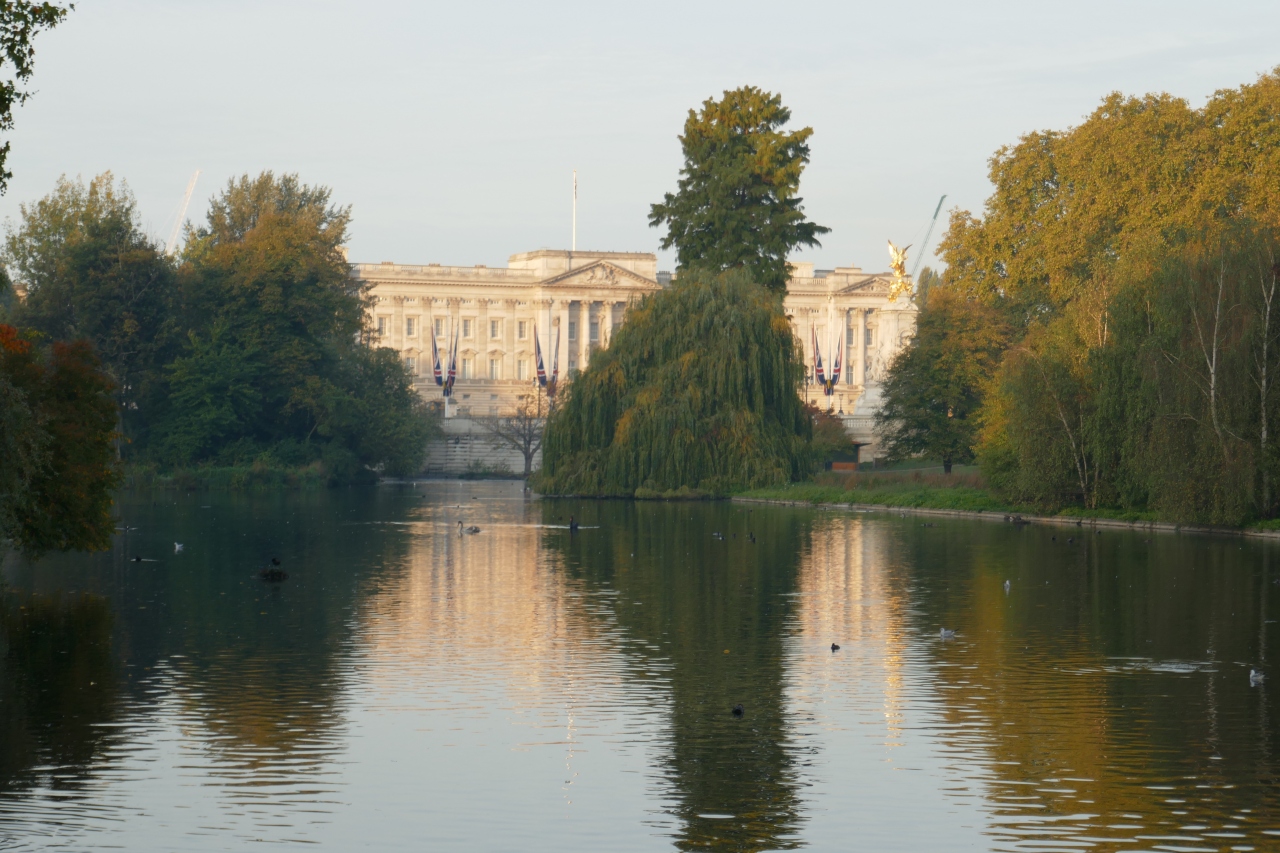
column 874, row 284
column 602, row 274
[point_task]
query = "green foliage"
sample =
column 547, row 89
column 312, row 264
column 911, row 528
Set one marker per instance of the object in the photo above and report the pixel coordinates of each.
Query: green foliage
column 59, row 422
column 255, row 345
column 1133, row 258
column 829, row 437
column 934, row 387
column 926, row 281
column 19, row 22
column 697, row 389
column 737, row 204
column 89, row 272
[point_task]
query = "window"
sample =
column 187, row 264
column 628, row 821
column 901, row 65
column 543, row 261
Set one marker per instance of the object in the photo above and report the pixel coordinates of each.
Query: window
column 495, row 329
column 495, row 368
column 849, row 336
column 522, row 330
column 595, row 331
column 382, row 325
column 408, row 326
column 573, row 330
column 466, row 328
column 871, row 336
column 439, row 327
column 522, row 369
column 466, row 368
column 412, row 364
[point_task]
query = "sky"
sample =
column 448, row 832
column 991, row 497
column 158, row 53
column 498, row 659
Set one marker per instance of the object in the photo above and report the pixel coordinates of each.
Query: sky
column 452, row 129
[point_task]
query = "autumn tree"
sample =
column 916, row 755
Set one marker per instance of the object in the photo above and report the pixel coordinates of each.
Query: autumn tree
column 737, row 204
column 57, row 427
column 935, row 385
column 88, row 271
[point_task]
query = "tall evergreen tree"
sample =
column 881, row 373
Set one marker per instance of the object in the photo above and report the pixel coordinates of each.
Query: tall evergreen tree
column 737, row 204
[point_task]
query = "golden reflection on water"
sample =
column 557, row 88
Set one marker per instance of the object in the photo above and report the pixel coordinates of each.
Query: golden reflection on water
column 532, row 688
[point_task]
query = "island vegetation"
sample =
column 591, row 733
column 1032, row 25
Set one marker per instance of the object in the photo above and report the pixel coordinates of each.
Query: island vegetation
column 697, row 393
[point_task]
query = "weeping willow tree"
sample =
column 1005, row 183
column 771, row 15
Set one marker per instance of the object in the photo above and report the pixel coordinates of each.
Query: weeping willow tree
column 697, row 391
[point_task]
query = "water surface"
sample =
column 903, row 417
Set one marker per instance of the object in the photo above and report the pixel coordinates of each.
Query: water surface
column 533, row 688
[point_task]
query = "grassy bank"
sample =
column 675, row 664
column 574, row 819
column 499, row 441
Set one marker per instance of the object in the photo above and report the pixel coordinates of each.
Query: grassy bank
column 891, row 489
column 924, row 488
column 243, row 478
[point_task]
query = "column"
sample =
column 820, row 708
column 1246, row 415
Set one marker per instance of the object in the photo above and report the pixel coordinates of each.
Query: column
column 862, row 346
column 848, row 348
column 509, row 342
column 606, row 324
column 563, row 342
column 480, row 370
column 584, row 333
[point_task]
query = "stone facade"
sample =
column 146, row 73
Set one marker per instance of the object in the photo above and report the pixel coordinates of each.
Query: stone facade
column 584, row 296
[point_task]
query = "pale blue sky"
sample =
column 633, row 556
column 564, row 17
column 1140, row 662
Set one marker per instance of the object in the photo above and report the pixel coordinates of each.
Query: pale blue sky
column 452, row 128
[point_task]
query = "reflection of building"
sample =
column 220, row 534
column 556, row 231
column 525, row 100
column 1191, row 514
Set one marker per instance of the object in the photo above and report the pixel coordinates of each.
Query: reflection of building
column 582, row 296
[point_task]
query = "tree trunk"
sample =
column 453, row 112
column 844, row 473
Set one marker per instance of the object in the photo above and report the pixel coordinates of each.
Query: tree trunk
column 946, row 464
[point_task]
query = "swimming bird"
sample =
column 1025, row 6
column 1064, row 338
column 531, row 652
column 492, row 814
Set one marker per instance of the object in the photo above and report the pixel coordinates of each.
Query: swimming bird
column 573, row 525
column 738, row 710
column 471, row 529
column 947, row 634
column 272, row 573
column 1006, row 587
column 752, row 537
column 1256, row 678
column 177, row 547
column 835, row 647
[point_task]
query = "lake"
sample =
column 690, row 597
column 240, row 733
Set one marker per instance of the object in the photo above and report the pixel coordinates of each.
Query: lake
column 529, row 687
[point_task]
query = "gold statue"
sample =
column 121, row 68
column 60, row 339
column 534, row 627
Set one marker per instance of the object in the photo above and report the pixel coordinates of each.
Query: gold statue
column 898, row 263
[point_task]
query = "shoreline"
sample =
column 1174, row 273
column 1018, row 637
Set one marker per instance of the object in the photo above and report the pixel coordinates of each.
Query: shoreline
column 1008, row 517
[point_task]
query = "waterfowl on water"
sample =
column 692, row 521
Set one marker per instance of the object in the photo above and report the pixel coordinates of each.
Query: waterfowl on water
column 1006, row 587
column 738, row 710
column 573, row 525
column 177, row 547
column 272, row 573
column 1256, row 678
column 835, row 647
column 471, row 529
column 947, row 634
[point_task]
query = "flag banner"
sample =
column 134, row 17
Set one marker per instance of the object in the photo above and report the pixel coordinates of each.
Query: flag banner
column 835, row 368
column 537, row 357
column 817, row 360
column 453, row 366
column 436, row 372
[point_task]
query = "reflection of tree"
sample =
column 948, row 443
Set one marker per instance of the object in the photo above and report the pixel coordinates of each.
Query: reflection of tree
column 694, row 597
column 1112, row 665
column 57, row 687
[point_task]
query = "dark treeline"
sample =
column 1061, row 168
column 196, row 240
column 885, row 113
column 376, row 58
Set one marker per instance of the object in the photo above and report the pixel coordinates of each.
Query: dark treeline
column 1105, row 336
column 250, row 347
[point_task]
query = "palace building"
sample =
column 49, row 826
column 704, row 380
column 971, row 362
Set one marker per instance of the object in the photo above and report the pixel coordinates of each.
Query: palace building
column 576, row 299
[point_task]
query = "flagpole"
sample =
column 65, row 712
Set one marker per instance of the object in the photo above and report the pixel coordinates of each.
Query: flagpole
column 574, row 242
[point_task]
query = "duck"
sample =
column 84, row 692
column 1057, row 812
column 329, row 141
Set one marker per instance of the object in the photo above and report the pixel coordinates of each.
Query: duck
column 573, row 525
column 947, row 634
column 1007, row 585
column 471, row 529
column 738, row 710
column 1256, row 678
column 835, row 647
column 177, row 547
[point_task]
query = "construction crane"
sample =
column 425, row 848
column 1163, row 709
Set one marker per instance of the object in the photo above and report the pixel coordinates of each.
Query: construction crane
column 171, row 245
column 924, row 245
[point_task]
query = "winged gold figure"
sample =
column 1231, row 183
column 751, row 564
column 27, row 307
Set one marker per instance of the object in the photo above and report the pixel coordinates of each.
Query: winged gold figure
column 898, row 260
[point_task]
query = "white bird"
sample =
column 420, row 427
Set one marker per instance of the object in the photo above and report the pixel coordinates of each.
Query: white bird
column 1006, row 587
column 1256, row 678
column 947, row 634
column 177, row 547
